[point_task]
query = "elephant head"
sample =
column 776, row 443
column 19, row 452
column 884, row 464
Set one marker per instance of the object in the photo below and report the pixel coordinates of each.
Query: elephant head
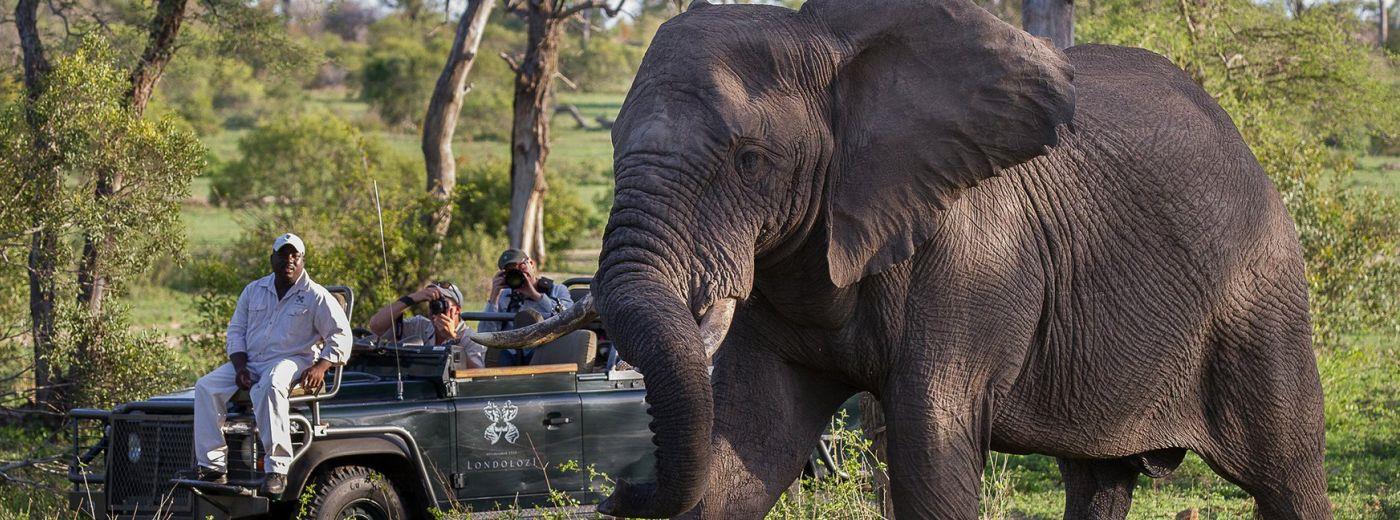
column 751, row 131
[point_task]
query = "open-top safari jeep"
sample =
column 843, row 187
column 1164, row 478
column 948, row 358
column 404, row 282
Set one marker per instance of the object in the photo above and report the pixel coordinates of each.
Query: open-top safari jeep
column 400, row 430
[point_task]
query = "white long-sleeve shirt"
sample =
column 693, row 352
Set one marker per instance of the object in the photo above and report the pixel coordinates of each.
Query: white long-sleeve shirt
column 307, row 323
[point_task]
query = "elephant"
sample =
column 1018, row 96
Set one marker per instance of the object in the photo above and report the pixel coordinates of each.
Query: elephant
column 1015, row 248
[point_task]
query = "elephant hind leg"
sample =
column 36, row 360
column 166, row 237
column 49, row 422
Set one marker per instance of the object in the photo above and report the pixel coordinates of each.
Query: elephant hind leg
column 1098, row 489
column 1263, row 416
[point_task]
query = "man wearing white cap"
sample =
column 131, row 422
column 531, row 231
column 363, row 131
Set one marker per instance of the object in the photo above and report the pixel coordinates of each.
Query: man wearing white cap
column 286, row 328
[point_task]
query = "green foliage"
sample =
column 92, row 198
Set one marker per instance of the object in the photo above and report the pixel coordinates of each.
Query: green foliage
column 310, row 162
column 1299, row 89
column 401, row 69
column 848, row 495
column 606, row 64
column 483, row 204
column 115, row 363
column 84, row 118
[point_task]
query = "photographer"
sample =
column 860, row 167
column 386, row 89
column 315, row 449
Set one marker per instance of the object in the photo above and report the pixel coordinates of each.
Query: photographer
column 442, row 325
column 518, row 287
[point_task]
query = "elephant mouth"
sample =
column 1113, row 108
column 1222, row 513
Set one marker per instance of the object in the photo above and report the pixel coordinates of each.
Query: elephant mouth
column 714, row 321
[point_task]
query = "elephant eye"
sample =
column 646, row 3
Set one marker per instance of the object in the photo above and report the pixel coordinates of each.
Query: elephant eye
column 751, row 162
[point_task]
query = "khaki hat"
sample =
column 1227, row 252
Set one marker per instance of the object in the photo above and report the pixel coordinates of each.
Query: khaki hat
column 511, row 256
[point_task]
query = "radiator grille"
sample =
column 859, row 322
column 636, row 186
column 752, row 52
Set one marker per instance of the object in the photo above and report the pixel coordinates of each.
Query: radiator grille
column 141, row 489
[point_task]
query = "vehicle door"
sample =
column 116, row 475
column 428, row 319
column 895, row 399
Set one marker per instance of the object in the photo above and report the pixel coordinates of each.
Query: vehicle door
column 513, row 433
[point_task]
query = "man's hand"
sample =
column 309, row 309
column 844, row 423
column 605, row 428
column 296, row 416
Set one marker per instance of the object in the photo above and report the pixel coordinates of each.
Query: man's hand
column 242, row 376
column 315, row 377
column 498, row 284
column 529, row 288
column 446, row 327
column 427, row 294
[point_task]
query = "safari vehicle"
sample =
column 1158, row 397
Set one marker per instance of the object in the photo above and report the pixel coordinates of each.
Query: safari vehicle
column 441, row 436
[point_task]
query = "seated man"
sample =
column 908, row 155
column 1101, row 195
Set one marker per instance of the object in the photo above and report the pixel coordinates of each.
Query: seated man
column 442, row 326
column 518, row 287
column 285, row 325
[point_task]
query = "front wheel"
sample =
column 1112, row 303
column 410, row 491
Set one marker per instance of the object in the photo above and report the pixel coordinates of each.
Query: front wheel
column 354, row 493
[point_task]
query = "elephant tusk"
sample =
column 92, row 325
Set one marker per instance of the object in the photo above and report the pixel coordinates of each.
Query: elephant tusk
column 714, row 325
column 543, row 332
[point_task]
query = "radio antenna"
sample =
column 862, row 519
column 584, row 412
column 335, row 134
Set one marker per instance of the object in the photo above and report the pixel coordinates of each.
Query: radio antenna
column 393, row 327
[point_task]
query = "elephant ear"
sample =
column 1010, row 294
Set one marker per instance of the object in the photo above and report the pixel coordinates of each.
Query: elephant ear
column 928, row 98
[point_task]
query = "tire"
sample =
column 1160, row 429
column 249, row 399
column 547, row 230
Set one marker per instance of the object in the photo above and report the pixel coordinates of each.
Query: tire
column 354, row 493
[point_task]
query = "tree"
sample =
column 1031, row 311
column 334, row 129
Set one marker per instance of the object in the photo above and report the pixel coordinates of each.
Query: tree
column 441, row 122
column 43, row 179
column 1382, row 24
column 1053, row 19
column 103, row 251
column 81, row 116
column 160, row 48
column 529, row 140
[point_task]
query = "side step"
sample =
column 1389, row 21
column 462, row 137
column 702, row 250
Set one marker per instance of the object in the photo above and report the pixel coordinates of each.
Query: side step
column 211, row 488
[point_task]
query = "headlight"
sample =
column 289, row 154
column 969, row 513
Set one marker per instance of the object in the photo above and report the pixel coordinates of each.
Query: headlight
column 133, row 448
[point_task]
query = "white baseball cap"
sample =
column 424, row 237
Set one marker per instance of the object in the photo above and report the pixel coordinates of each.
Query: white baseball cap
column 289, row 238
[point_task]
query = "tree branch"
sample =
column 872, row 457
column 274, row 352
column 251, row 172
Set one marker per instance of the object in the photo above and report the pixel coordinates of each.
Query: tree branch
column 511, row 62
column 590, row 4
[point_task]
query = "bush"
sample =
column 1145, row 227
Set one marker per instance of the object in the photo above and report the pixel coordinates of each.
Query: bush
column 398, row 75
column 310, row 161
column 606, row 64
column 483, row 204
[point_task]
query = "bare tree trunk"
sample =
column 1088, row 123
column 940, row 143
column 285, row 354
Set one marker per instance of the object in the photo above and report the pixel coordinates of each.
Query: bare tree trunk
column 93, row 274
column 44, row 178
column 441, row 123
column 1053, row 19
column 587, row 30
column 573, row 113
column 1383, row 19
column 530, row 133
column 529, row 140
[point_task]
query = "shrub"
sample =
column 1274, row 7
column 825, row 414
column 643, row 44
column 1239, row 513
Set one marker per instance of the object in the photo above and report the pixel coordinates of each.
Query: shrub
column 483, row 203
column 310, row 161
column 398, row 75
column 606, row 64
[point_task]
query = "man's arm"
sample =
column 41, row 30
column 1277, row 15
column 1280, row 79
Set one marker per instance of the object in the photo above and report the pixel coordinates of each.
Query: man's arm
column 557, row 299
column 334, row 329
column 491, row 306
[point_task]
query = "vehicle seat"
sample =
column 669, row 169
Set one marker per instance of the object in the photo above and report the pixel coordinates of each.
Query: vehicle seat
column 578, row 347
column 577, row 293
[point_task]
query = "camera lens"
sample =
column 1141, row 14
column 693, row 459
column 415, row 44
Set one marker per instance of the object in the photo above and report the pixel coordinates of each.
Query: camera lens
column 438, row 306
column 515, row 279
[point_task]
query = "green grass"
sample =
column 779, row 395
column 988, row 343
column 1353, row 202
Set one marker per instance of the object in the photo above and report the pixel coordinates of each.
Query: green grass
column 1378, row 172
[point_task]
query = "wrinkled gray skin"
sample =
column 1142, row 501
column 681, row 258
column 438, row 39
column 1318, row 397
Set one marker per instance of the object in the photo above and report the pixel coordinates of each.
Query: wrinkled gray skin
column 1015, row 248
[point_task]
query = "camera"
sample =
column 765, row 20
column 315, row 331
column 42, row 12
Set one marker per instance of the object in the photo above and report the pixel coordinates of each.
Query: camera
column 514, row 279
column 438, row 306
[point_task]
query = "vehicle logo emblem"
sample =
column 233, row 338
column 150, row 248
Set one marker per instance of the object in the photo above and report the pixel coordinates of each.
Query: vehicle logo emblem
column 500, row 427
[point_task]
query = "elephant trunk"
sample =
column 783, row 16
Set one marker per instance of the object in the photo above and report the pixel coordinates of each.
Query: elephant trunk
column 656, row 331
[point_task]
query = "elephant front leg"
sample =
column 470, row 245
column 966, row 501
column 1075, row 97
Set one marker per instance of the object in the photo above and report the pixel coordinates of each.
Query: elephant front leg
column 938, row 445
column 768, row 418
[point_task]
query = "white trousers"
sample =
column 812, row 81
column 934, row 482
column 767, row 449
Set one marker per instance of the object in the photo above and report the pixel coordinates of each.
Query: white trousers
column 270, row 410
